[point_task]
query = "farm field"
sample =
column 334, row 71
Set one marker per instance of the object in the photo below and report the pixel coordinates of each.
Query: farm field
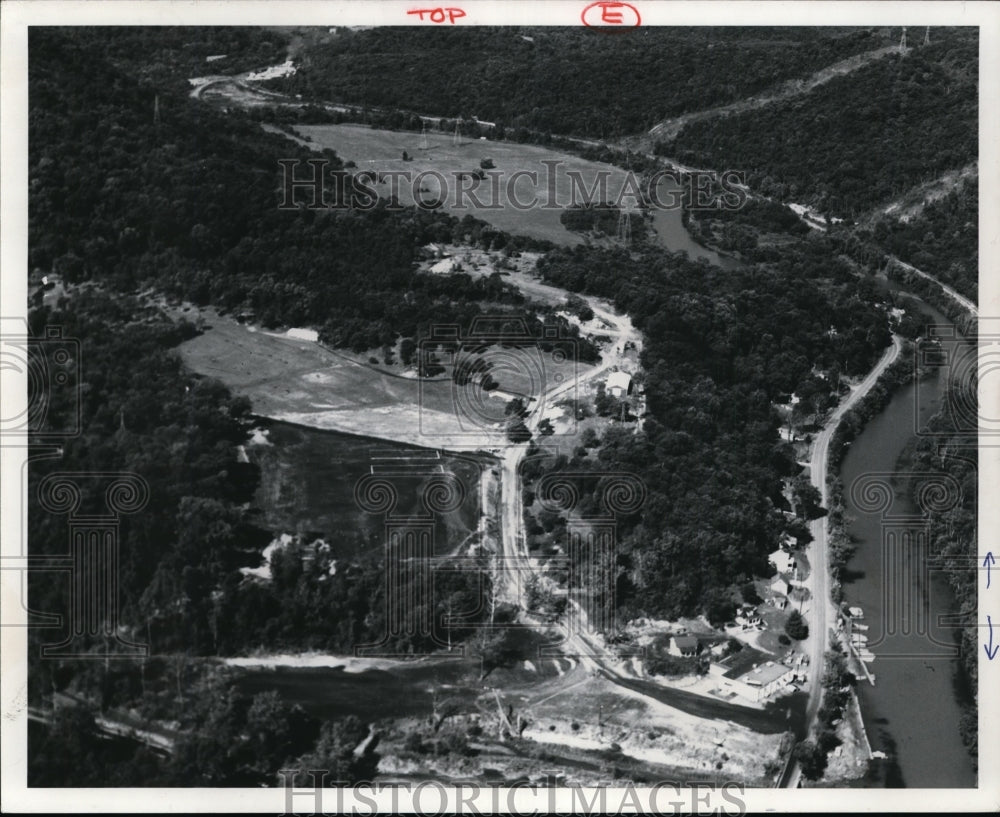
column 294, row 379
column 382, row 150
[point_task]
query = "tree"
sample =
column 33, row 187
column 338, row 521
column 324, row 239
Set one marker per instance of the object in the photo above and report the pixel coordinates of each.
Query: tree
column 807, row 498
column 517, row 432
column 540, row 597
column 516, row 408
column 796, row 626
column 750, row 594
column 812, row 759
column 335, row 752
column 407, row 346
column 495, row 647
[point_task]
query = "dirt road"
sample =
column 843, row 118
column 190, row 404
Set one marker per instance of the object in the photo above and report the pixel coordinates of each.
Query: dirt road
column 514, row 564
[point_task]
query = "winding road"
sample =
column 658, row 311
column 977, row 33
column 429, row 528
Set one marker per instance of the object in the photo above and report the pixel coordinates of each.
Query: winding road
column 514, row 563
column 823, row 613
column 960, row 299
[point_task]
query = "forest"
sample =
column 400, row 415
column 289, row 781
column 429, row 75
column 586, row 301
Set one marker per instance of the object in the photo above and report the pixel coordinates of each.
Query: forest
column 167, row 56
column 185, row 204
column 137, row 191
column 950, row 449
column 857, row 140
column 188, row 204
column 531, row 77
column 720, row 348
column 941, row 240
column 757, row 231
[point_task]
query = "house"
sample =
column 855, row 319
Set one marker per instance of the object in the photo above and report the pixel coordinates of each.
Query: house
column 778, row 558
column 780, row 585
column 748, row 616
column 619, row 384
column 751, row 674
column 683, row 646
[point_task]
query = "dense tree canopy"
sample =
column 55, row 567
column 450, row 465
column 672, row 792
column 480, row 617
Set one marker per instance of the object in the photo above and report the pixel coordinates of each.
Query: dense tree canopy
column 857, row 140
column 531, row 77
column 720, row 348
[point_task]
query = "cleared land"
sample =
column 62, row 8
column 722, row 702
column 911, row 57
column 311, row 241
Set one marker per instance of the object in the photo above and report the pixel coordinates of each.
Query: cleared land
column 299, row 381
column 382, row 151
column 586, row 723
column 290, row 378
column 308, row 480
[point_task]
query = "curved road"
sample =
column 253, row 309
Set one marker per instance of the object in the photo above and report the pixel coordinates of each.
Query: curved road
column 514, row 563
column 960, row 299
column 823, row 613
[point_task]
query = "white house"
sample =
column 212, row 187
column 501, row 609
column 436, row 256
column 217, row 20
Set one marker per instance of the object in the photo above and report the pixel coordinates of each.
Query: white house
column 751, row 675
column 619, row 384
column 748, row 616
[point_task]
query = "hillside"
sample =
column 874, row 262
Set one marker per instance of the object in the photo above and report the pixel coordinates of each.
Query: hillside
column 533, row 77
column 857, row 140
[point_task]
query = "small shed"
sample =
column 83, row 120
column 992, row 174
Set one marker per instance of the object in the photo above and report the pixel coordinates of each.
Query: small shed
column 619, row 384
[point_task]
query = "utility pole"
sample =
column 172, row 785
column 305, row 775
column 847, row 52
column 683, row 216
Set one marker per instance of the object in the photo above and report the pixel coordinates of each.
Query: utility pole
column 927, row 36
column 902, row 40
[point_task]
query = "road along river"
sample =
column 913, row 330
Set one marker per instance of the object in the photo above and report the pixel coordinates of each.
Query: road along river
column 912, row 713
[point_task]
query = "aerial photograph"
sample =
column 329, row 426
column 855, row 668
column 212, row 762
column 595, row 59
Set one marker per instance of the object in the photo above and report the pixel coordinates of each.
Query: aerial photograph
column 501, row 406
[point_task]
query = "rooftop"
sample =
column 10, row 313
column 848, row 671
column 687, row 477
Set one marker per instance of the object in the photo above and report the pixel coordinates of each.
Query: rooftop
column 619, row 380
column 752, row 667
column 765, row 674
column 686, row 642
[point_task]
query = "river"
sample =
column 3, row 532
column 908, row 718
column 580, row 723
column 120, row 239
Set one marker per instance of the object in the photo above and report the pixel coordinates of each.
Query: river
column 913, row 711
column 669, row 225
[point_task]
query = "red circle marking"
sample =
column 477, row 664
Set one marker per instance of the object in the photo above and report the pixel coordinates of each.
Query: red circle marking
column 610, row 15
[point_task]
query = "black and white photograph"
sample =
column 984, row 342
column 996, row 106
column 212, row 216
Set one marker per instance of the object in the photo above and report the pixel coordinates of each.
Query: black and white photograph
column 500, row 407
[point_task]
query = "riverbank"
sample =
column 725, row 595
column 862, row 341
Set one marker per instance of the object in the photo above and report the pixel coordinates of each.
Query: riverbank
column 819, row 580
column 913, row 713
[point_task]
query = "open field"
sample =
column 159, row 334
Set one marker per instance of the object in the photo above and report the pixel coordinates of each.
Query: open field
column 308, row 480
column 290, row 377
column 297, row 380
column 382, row 151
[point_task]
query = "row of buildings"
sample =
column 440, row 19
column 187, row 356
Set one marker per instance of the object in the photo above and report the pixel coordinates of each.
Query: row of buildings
column 749, row 673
